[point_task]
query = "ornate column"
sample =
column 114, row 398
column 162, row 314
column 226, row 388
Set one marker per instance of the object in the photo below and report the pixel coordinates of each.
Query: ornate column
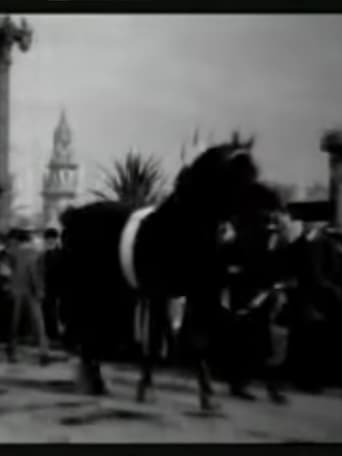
column 332, row 144
column 10, row 34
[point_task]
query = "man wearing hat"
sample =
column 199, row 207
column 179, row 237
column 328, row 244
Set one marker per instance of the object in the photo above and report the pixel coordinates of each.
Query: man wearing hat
column 311, row 259
column 27, row 290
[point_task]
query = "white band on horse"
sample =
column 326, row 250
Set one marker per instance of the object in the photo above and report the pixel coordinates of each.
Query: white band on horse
column 127, row 243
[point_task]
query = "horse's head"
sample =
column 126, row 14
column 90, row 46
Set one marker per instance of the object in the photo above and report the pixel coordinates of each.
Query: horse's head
column 224, row 199
column 215, row 184
column 249, row 233
column 223, row 185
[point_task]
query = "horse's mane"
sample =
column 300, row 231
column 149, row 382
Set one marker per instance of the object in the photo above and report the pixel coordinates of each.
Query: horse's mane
column 221, row 170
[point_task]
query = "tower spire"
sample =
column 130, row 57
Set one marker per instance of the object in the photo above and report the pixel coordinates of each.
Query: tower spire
column 63, row 139
column 60, row 186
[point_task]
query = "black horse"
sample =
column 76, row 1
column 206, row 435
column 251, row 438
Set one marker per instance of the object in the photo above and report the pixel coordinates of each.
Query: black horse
column 175, row 253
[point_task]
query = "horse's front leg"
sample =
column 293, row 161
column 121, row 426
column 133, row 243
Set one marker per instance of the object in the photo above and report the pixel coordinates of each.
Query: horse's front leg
column 206, row 392
column 145, row 382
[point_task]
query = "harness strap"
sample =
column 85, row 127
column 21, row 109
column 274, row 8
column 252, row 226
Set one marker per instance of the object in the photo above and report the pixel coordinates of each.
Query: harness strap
column 127, row 244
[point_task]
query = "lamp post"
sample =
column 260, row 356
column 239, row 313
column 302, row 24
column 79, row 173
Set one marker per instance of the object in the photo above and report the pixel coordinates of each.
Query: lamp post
column 331, row 143
column 10, row 35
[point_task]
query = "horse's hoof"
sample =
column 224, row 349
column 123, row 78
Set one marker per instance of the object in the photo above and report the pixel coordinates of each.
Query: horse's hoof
column 145, row 393
column 101, row 390
column 278, row 398
column 209, row 405
column 244, row 395
column 93, row 390
column 92, row 387
column 141, row 393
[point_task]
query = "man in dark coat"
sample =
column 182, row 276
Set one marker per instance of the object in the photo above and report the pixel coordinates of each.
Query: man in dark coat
column 27, row 290
column 6, row 301
column 237, row 324
column 250, row 308
column 311, row 259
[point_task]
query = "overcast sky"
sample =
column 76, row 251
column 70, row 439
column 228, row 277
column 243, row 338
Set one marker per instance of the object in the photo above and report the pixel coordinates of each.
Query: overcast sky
column 149, row 80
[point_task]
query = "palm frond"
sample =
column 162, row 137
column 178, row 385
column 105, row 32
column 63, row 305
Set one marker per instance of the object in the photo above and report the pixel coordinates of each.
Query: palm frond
column 100, row 195
column 134, row 180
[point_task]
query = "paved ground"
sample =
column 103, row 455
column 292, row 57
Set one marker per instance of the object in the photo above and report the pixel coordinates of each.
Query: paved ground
column 41, row 405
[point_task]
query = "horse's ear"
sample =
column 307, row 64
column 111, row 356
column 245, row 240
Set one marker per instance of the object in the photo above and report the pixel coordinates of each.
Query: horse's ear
column 238, row 143
column 235, row 140
column 250, row 143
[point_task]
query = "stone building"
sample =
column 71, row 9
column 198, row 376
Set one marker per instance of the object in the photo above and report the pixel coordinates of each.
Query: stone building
column 61, row 182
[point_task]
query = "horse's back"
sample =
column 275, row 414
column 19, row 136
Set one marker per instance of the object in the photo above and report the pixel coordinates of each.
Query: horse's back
column 97, row 222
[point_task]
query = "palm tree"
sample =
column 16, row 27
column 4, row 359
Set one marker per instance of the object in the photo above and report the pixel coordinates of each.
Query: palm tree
column 135, row 181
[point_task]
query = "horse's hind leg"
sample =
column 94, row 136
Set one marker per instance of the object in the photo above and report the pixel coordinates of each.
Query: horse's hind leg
column 151, row 325
column 90, row 379
column 146, row 354
column 89, row 374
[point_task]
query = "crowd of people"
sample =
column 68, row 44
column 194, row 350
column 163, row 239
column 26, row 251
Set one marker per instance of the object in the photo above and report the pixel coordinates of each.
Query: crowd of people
column 290, row 331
